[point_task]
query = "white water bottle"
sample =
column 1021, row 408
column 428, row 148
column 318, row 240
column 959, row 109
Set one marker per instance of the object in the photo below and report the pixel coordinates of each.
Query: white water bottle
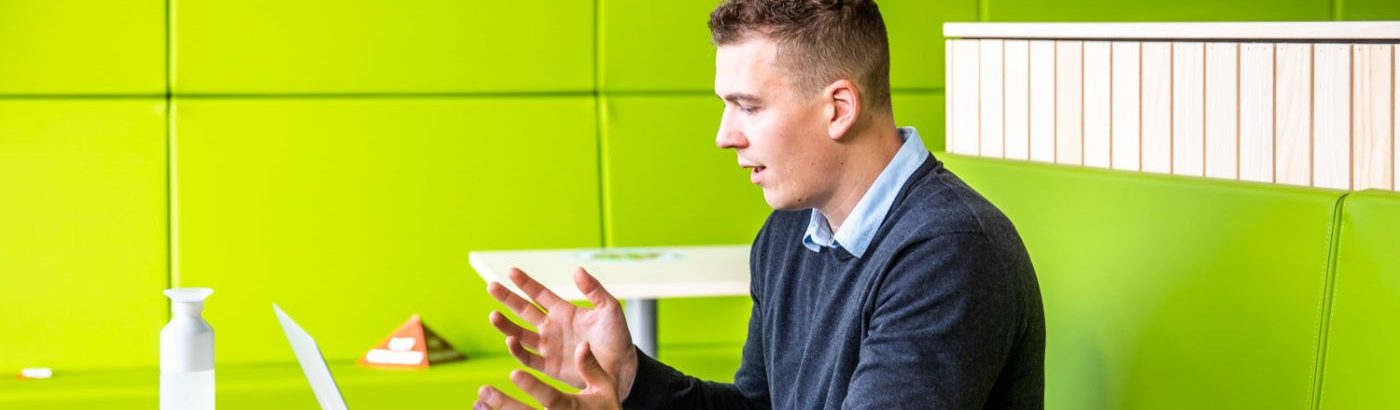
column 187, row 353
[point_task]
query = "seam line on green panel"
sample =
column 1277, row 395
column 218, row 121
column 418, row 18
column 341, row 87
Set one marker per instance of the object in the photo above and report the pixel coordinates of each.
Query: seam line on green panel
column 510, row 94
column 598, row 117
column 81, row 96
column 169, row 149
column 1328, row 285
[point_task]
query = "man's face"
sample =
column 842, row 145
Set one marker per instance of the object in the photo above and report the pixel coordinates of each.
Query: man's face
column 779, row 133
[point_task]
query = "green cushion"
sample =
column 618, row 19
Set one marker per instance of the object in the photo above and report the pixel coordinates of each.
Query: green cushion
column 1362, row 360
column 82, row 47
column 433, row 46
column 355, row 213
column 1168, row 292
column 82, row 232
column 282, row 385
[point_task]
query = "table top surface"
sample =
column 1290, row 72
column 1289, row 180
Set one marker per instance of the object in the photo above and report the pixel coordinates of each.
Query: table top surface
column 628, row 273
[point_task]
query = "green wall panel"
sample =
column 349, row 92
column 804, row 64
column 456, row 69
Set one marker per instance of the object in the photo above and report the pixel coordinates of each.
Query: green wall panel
column 1369, row 9
column 668, row 184
column 355, row 213
column 1163, row 292
column 82, row 47
column 326, row 46
column 82, row 233
column 1156, row 10
column 649, row 46
column 923, row 111
column 1361, row 357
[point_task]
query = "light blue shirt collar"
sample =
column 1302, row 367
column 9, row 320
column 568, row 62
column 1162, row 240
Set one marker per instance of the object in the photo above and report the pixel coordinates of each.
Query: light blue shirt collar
column 855, row 234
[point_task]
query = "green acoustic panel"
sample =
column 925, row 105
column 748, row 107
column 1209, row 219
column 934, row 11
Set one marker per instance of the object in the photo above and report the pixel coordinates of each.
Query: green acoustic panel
column 666, row 183
column 916, row 38
column 649, row 46
column 1369, row 9
column 1156, row 10
column 1168, row 292
column 82, row 233
column 923, row 111
column 353, row 214
column 82, row 47
column 1361, row 360
column 433, row 46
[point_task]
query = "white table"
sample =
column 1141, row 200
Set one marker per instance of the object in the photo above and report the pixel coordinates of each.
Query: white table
column 637, row 275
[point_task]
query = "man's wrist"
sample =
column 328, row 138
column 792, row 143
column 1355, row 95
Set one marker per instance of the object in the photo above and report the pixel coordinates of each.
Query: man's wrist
column 627, row 374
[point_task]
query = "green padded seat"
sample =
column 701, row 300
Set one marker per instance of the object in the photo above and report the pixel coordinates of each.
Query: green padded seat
column 1362, row 363
column 278, row 386
column 1168, row 292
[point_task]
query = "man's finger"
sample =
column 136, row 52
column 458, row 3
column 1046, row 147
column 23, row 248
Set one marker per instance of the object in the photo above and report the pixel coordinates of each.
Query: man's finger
column 528, row 338
column 525, row 357
column 536, row 291
column 517, row 304
column 547, row 395
column 592, row 289
column 592, row 371
column 494, row 399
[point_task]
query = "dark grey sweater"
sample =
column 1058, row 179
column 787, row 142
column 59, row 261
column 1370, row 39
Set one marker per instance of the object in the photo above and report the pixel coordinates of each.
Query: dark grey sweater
column 943, row 312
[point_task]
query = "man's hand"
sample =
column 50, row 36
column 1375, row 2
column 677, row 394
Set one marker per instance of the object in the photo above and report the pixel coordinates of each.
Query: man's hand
column 600, row 393
column 565, row 328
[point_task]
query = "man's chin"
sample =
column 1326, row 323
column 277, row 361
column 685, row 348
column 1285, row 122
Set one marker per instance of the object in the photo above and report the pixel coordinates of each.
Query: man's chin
column 782, row 204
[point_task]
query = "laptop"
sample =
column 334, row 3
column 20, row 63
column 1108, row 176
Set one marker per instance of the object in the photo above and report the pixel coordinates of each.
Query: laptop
column 312, row 363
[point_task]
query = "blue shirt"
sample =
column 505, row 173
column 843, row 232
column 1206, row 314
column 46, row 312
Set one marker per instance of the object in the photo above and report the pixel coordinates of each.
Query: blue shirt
column 854, row 235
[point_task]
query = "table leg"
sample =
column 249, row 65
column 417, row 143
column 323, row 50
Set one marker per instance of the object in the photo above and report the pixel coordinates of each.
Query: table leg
column 641, row 321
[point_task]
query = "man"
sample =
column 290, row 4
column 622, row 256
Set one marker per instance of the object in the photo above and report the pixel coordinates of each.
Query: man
column 880, row 280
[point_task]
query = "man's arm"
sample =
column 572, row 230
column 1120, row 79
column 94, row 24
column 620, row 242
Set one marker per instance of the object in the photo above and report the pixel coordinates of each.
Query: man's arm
column 945, row 318
column 658, row 386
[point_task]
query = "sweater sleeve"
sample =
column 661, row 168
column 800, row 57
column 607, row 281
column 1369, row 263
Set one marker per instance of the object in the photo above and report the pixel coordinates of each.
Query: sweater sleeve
column 659, row 386
column 942, row 326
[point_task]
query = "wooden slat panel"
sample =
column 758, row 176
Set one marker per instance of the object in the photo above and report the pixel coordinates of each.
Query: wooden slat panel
column 1332, row 116
column 1097, row 83
column 1018, row 94
column 965, row 97
column 948, row 95
column 992, row 96
column 1188, row 109
column 1156, row 107
column 1069, row 102
column 1257, row 112
column 1042, row 129
column 1293, row 115
column 1127, row 57
column 1371, row 105
column 1222, row 110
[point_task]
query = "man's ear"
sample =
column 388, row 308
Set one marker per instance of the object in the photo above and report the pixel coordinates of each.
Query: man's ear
column 843, row 108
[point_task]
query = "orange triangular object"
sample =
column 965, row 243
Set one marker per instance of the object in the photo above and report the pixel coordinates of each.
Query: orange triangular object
column 412, row 346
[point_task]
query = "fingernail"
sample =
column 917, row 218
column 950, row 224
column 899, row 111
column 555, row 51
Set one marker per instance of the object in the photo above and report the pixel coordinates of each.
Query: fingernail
column 480, row 406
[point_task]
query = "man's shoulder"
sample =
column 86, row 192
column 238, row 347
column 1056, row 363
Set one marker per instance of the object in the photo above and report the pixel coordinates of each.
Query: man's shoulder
column 937, row 205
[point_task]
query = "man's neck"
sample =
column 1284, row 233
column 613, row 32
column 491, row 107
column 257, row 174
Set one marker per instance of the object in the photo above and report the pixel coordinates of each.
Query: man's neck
column 859, row 173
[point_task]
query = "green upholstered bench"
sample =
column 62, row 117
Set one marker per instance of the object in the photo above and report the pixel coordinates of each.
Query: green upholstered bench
column 1362, row 365
column 282, row 385
column 1169, row 292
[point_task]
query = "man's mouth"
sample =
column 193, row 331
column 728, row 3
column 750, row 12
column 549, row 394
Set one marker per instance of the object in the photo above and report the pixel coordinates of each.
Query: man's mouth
column 754, row 172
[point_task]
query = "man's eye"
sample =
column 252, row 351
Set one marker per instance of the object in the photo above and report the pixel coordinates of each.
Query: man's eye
column 748, row 110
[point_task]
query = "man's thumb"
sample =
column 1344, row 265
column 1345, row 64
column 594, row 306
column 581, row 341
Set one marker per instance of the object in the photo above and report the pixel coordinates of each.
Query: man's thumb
column 593, row 373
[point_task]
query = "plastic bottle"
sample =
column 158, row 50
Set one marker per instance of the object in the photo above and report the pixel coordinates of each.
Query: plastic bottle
column 187, row 353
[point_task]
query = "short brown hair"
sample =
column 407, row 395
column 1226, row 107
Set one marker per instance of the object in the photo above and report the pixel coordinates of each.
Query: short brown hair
column 819, row 41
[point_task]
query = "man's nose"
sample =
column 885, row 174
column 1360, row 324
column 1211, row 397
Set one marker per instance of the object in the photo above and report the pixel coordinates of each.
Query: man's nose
column 729, row 136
